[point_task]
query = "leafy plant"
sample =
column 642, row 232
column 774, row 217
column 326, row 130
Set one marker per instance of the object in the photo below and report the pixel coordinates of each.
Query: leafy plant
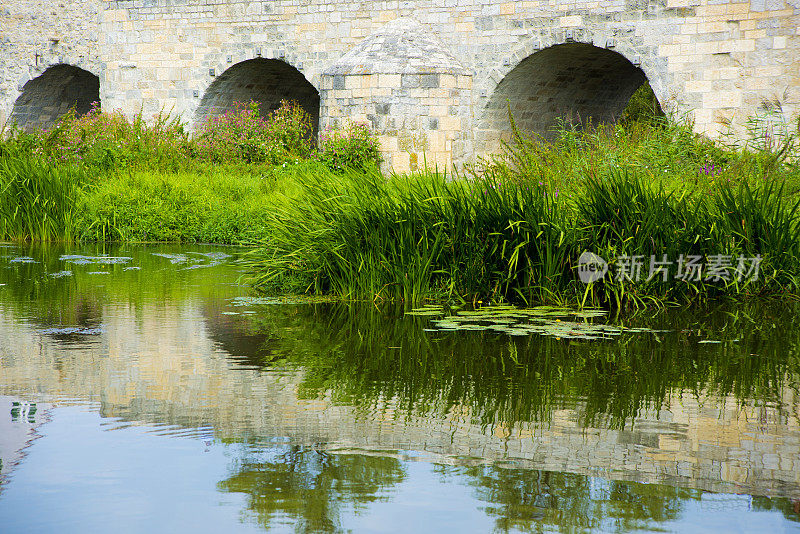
column 243, row 134
column 354, row 147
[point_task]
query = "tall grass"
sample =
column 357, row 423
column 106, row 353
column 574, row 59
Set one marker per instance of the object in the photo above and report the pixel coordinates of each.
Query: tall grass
column 38, row 201
column 223, row 205
column 361, row 235
column 514, row 232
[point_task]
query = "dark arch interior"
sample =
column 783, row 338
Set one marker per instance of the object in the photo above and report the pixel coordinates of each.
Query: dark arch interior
column 53, row 93
column 266, row 81
column 575, row 82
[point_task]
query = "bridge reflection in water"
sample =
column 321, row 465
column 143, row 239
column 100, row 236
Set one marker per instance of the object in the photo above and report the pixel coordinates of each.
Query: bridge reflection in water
column 543, row 429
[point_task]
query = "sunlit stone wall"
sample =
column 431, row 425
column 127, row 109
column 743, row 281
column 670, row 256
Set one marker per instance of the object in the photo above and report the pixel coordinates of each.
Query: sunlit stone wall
column 35, row 36
column 717, row 61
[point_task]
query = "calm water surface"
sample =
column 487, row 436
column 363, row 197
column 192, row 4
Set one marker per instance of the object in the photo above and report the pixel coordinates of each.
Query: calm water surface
column 143, row 390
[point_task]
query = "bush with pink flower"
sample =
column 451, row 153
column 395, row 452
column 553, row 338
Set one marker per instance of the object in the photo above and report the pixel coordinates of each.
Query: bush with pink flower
column 352, row 147
column 243, row 135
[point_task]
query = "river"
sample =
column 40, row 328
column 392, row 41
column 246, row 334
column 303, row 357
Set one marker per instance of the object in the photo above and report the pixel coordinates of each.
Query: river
column 143, row 389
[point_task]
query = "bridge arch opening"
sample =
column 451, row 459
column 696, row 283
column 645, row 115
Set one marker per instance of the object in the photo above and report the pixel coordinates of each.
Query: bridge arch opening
column 573, row 84
column 52, row 94
column 265, row 81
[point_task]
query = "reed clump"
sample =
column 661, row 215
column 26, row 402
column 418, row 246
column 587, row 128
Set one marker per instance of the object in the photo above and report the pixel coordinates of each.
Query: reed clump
column 513, row 229
column 37, row 199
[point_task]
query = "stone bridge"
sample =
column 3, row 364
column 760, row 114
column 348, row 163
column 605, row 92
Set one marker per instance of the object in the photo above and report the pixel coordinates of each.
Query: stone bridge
column 435, row 78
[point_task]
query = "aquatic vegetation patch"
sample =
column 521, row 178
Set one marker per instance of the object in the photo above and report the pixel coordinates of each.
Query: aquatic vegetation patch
column 426, row 237
column 557, row 322
column 271, row 301
column 22, row 259
column 213, row 255
column 72, row 331
column 94, row 260
column 195, row 260
column 173, row 258
column 61, row 274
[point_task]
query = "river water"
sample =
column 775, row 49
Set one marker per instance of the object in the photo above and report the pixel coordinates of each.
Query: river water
column 142, row 389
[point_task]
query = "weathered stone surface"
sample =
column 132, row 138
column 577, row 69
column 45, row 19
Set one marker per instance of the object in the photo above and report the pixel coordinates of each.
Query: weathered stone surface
column 715, row 61
column 402, row 46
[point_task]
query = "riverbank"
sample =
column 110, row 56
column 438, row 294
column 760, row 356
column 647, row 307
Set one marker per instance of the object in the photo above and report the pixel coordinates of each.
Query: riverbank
column 667, row 215
column 102, row 177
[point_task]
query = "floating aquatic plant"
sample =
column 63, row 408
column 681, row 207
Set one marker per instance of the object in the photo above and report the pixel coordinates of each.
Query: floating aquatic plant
column 72, row 330
column 561, row 323
column 96, row 260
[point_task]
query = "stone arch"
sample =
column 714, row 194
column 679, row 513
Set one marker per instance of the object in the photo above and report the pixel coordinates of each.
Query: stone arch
column 53, row 93
column 576, row 82
column 266, row 81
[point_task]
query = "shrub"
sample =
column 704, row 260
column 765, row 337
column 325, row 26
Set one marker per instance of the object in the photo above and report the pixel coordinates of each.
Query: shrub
column 108, row 141
column 643, row 105
column 244, row 135
column 354, row 147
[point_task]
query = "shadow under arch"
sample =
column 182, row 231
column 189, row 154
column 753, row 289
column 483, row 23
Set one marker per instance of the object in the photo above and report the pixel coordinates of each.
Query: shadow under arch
column 265, row 81
column 53, row 93
column 576, row 83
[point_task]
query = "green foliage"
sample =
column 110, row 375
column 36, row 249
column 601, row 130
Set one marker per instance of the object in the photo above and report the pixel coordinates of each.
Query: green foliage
column 217, row 206
column 38, row 200
column 243, row 135
column 108, row 141
column 361, row 236
column 642, row 106
column 354, row 147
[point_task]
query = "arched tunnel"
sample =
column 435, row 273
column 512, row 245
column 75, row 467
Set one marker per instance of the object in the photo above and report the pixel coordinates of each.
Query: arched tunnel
column 266, row 81
column 52, row 94
column 573, row 83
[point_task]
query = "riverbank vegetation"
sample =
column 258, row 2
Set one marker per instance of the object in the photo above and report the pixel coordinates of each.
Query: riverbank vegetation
column 513, row 228
column 325, row 220
column 102, row 177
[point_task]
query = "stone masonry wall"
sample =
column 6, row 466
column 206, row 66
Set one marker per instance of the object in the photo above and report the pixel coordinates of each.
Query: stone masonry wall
column 716, row 61
column 37, row 35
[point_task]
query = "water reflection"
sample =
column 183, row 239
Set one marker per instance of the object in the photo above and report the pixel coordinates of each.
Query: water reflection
column 308, row 488
column 362, row 354
column 625, row 435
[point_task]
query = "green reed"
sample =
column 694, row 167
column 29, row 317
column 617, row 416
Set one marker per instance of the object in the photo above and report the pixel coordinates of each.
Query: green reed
column 38, row 201
column 363, row 236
